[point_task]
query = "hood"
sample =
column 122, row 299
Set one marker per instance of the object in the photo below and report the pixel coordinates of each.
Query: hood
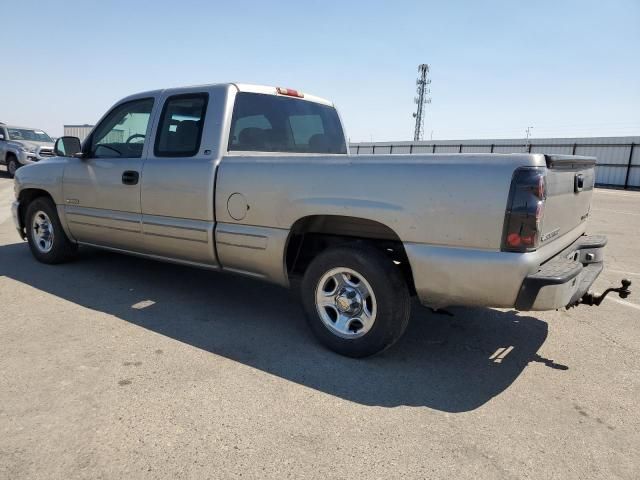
column 29, row 143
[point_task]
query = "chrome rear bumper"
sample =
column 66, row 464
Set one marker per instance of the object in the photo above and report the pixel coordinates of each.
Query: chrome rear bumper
column 564, row 279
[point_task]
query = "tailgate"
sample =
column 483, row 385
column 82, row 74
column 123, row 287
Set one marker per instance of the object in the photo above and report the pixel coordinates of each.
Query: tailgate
column 569, row 187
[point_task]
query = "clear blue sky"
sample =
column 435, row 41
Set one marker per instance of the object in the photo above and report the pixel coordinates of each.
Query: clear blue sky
column 567, row 68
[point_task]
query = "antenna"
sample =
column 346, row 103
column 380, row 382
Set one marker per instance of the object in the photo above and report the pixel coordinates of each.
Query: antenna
column 422, row 89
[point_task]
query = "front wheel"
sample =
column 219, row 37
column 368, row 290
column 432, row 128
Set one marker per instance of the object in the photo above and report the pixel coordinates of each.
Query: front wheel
column 12, row 166
column 356, row 300
column 47, row 240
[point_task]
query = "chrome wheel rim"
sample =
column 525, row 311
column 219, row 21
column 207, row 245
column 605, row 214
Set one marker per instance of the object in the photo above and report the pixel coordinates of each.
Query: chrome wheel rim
column 12, row 167
column 42, row 232
column 346, row 303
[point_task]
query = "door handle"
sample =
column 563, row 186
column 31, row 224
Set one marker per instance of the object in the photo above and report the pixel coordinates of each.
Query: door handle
column 130, row 177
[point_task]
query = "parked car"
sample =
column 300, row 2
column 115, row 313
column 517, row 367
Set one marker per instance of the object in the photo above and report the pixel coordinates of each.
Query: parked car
column 258, row 181
column 22, row 146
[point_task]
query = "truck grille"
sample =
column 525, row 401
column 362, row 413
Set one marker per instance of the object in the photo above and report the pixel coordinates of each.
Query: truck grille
column 46, row 152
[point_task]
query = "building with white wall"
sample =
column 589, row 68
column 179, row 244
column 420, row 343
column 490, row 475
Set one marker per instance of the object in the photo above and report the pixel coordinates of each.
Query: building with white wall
column 80, row 131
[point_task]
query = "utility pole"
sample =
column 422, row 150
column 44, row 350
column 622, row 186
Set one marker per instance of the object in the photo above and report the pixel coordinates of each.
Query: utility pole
column 421, row 100
column 528, row 130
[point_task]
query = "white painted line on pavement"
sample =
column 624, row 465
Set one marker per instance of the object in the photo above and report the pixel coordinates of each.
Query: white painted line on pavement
column 624, row 302
column 619, row 193
column 615, row 211
column 623, row 271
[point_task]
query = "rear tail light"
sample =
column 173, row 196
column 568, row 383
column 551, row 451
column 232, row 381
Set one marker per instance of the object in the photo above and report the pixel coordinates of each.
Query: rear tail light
column 524, row 210
column 290, row 92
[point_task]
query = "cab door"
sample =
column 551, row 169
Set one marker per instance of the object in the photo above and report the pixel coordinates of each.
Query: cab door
column 102, row 190
column 178, row 178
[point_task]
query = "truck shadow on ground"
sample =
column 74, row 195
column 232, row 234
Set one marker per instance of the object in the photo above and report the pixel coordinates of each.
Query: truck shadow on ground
column 451, row 364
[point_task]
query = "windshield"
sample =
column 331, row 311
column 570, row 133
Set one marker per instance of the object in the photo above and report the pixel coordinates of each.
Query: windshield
column 29, row 135
column 269, row 123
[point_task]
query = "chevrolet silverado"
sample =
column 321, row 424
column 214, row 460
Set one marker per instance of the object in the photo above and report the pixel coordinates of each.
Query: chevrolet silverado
column 258, row 181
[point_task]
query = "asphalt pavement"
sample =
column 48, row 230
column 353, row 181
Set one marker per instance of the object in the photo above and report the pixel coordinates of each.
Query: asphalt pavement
column 118, row 367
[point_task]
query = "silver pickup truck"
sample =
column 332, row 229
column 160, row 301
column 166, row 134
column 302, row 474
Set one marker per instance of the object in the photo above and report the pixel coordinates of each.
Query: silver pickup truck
column 258, row 181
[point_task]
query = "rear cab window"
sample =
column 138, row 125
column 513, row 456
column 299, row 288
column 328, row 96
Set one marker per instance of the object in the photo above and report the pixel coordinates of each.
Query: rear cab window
column 269, row 123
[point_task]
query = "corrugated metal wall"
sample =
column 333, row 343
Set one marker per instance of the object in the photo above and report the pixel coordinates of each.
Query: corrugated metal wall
column 618, row 157
column 80, row 131
column 83, row 131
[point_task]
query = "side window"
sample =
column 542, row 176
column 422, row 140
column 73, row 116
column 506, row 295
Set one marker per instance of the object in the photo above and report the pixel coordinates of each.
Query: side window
column 122, row 133
column 15, row 134
column 180, row 128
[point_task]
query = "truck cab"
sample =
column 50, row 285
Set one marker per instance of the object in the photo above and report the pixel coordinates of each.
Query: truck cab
column 147, row 170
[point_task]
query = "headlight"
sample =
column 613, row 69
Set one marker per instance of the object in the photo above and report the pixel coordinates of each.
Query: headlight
column 28, row 149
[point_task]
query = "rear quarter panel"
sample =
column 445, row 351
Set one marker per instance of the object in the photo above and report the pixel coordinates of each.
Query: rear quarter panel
column 452, row 200
column 447, row 200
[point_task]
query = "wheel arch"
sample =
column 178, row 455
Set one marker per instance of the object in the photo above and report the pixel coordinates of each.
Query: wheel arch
column 25, row 197
column 8, row 155
column 312, row 234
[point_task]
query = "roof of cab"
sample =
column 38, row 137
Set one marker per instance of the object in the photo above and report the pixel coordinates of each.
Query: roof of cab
column 265, row 89
column 18, row 127
column 241, row 87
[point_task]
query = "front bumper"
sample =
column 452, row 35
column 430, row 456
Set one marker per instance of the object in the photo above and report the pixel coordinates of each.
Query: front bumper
column 566, row 278
column 26, row 158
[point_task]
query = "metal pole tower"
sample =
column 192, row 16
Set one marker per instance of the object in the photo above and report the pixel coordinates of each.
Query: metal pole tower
column 528, row 132
column 421, row 100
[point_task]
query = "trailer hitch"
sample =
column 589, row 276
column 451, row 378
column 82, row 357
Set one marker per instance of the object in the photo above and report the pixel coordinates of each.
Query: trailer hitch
column 592, row 299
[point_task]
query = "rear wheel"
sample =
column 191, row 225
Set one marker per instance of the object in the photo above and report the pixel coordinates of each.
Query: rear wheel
column 47, row 240
column 356, row 300
column 12, row 165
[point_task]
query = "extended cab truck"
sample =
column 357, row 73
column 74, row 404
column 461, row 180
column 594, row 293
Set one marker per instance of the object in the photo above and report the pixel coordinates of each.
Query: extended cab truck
column 258, row 181
column 22, row 146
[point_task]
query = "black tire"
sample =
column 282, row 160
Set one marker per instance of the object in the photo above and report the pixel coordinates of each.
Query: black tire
column 12, row 165
column 61, row 249
column 389, row 290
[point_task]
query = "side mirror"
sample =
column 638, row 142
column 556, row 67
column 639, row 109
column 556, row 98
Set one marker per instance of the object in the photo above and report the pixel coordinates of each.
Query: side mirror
column 2, row 136
column 67, row 147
